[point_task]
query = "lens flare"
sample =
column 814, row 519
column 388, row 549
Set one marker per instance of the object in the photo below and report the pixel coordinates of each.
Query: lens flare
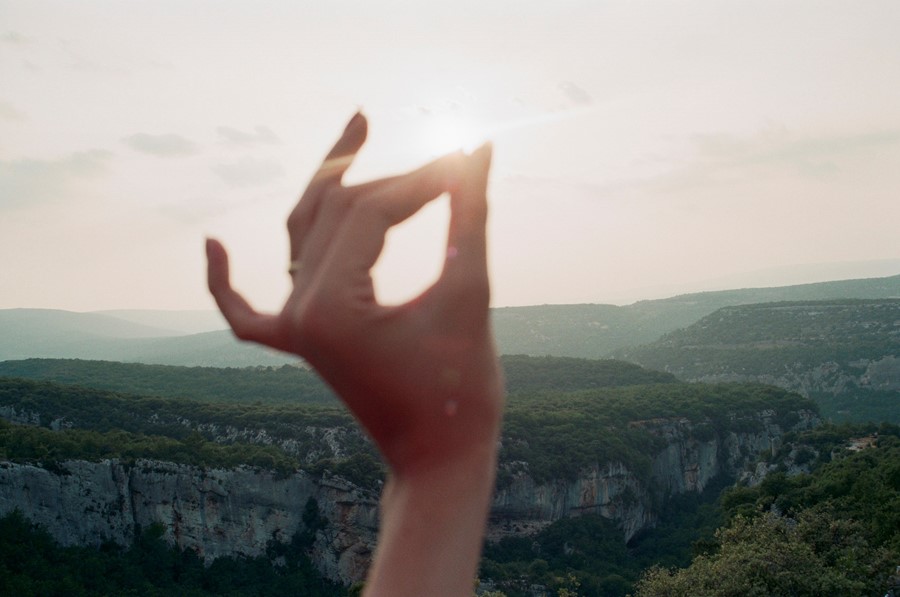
column 444, row 134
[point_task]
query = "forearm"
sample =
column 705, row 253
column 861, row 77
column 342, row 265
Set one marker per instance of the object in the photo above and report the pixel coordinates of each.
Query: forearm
column 432, row 528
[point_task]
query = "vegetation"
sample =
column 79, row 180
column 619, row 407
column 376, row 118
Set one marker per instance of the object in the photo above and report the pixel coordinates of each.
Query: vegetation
column 590, row 551
column 96, row 424
column 840, row 353
column 293, row 385
column 32, row 564
column 835, row 531
column 284, row 385
column 558, row 435
column 22, row 443
column 602, row 331
column 527, row 375
column 611, row 412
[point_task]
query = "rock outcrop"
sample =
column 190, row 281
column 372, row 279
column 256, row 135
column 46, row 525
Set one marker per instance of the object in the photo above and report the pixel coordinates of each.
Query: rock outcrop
column 212, row 511
column 239, row 511
column 687, row 463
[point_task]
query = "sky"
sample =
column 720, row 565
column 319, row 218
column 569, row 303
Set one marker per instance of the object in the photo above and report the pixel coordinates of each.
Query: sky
column 641, row 148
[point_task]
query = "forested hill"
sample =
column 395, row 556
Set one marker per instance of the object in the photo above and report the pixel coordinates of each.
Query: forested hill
column 844, row 354
column 618, row 452
column 265, row 385
column 293, row 385
column 595, row 331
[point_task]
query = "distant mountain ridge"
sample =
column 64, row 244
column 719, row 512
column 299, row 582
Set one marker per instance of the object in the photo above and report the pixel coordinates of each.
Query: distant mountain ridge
column 598, row 331
column 845, row 354
column 586, row 331
column 49, row 333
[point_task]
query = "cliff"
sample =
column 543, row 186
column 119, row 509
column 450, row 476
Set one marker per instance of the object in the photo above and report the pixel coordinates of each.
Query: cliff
column 691, row 457
column 238, row 511
column 212, row 511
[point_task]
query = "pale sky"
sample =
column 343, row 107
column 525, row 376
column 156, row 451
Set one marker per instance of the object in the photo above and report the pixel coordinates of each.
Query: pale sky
column 641, row 148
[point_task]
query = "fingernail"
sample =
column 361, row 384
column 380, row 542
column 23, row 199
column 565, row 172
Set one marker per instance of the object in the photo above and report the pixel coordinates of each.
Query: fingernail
column 485, row 148
column 354, row 121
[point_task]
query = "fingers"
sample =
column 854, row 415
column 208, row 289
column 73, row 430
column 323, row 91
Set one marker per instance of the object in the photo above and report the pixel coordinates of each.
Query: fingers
column 464, row 279
column 329, row 175
column 246, row 323
column 381, row 204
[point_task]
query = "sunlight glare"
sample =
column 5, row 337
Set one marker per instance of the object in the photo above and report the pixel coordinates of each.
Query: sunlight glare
column 446, row 133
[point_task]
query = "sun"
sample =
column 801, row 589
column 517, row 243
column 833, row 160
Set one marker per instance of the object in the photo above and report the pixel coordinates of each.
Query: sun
column 445, row 133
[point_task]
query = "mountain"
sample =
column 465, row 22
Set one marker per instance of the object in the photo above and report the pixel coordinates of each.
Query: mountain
column 843, row 354
column 596, row 331
column 49, row 333
column 587, row 331
column 183, row 322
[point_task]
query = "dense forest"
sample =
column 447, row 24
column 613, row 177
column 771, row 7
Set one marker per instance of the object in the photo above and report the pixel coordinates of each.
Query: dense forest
column 294, row 385
column 269, row 385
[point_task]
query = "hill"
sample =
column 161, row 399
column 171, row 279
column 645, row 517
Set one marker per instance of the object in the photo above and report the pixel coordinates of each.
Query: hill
column 49, row 333
column 587, row 331
column 597, row 331
column 293, row 385
column 843, row 353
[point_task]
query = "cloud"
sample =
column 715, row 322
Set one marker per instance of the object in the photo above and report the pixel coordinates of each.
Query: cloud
column 13, row 37
column 575, row 94
column 814, row 156
column 164, row 146
column 249, row 172
column 9, row 112
column 260, row 135
column 25, row 182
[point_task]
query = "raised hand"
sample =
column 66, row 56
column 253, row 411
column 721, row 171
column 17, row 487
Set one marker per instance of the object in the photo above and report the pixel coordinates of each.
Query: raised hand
column 422, row 377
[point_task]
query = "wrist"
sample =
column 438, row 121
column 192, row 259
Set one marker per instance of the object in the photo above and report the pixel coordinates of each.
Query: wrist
column 432, row 521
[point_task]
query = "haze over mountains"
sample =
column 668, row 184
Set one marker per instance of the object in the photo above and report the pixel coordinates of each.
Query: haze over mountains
column 199, row 338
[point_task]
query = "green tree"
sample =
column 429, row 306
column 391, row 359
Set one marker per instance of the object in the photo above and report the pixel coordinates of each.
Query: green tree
column 816, row 554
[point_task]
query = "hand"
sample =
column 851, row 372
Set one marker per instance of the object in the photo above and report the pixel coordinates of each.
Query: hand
column 423, row 377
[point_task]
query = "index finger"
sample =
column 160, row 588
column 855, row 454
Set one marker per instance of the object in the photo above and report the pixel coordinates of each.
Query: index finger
column 381, row 205
column 329, row 173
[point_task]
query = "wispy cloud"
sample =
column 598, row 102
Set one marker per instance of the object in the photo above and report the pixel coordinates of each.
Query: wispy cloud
column 164, row 146
column 25, row 182
column 249, row 172
column 9, row 112
column 13, row 37
column 260, row 135
column 811, row 155
column 575, row 94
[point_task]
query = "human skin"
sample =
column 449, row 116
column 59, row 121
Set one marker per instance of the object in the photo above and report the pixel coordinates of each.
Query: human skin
column 422, row 378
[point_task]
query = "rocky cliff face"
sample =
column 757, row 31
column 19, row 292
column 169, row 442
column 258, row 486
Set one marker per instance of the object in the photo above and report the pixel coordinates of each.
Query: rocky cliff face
column 238, row 511
column 687, row 463
column 215, row 512
column 829, row 377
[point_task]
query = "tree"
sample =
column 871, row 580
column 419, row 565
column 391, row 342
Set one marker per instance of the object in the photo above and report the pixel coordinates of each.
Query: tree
column 815, row 554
